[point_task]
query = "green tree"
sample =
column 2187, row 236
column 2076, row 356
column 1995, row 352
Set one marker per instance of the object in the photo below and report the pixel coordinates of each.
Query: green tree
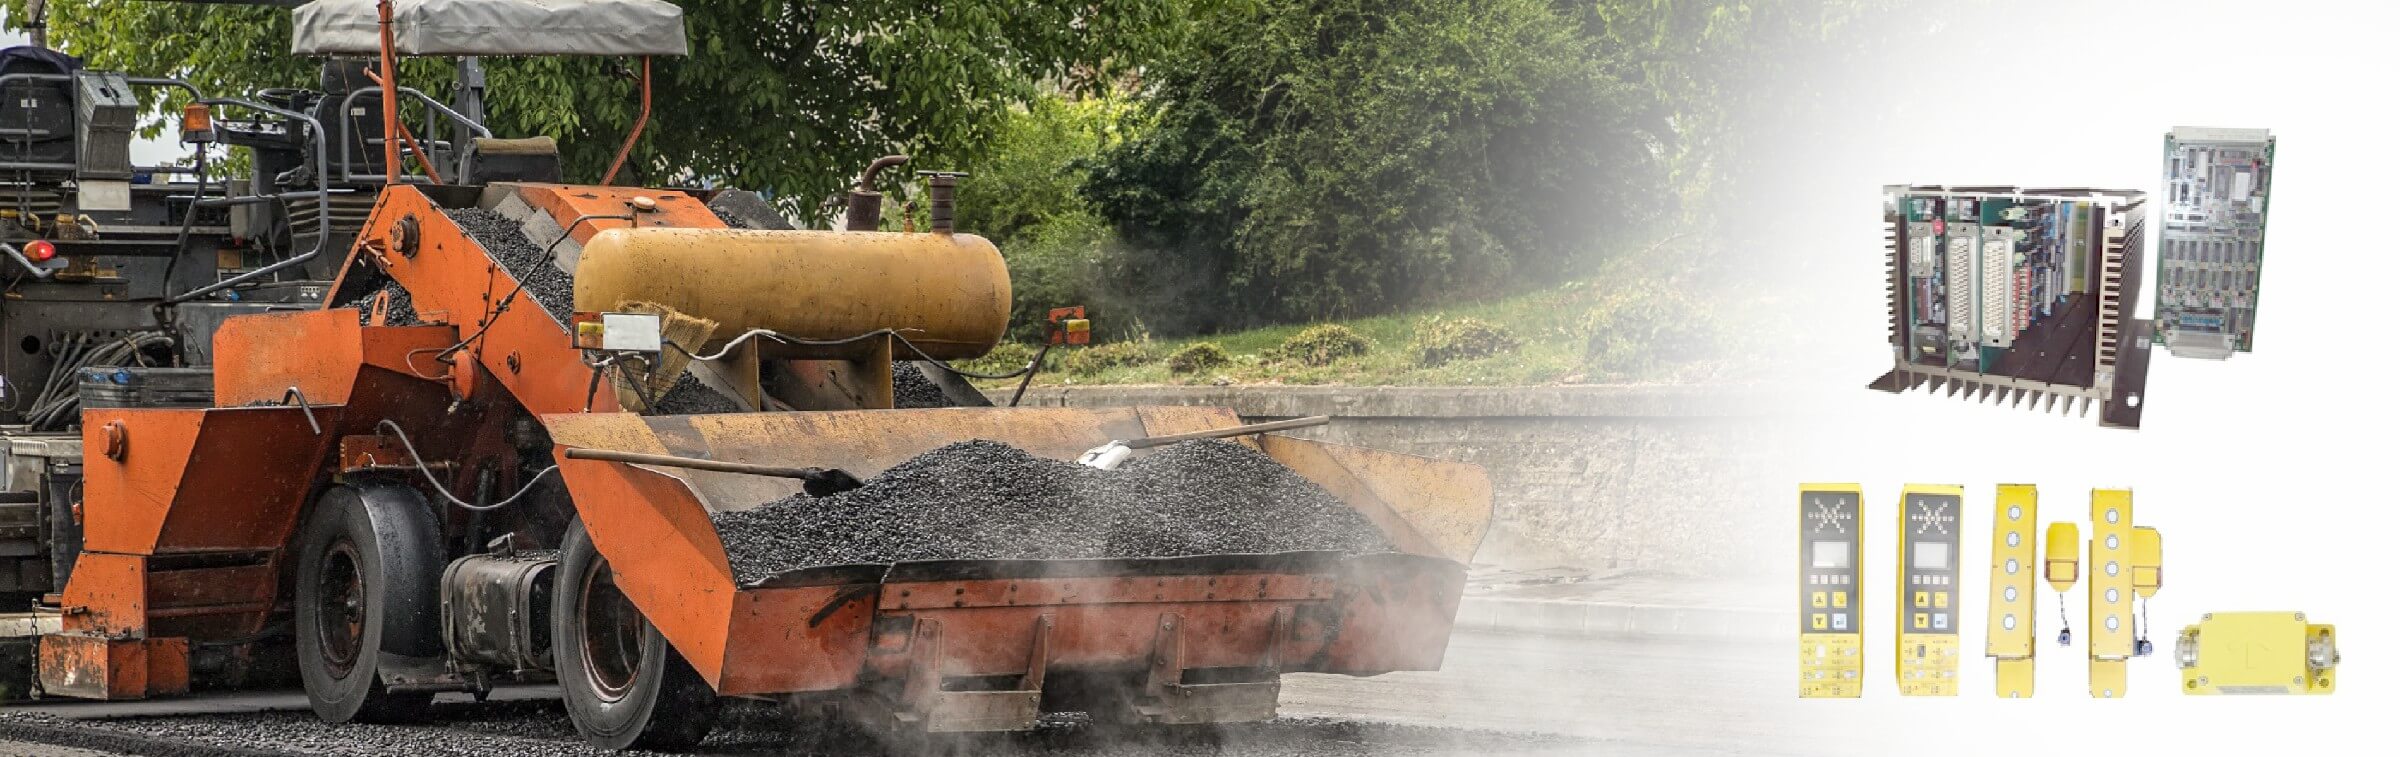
column 1322, row 158
column 1026, row 196
column 792, row 98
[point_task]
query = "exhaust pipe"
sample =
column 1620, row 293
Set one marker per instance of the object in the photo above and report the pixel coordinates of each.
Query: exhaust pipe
column 866, row 205
column 941, row 195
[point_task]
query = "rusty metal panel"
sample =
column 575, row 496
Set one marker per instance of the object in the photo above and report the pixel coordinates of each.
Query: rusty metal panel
column 1428, row 506
column 195, row 480
column 565, row 203
column 452, row 280
column 168, row 668
column 665, row 554
column 96, row 667
column 998, row 640
column 1395, row 613
column 797, row 639
column 108, row 594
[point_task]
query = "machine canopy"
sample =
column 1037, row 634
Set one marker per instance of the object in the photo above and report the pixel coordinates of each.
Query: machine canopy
column 492, row 27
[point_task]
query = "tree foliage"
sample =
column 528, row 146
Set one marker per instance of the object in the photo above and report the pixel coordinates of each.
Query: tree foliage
column 788, row 97
column 1323, row 158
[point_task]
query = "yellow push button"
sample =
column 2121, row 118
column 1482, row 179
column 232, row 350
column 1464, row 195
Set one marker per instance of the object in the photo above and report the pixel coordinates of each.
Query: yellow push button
column 1841, row 599
column 1920, row 621
column 1816, row 599
column 1941, row 600
column 1922, row 601
column 1816, row 621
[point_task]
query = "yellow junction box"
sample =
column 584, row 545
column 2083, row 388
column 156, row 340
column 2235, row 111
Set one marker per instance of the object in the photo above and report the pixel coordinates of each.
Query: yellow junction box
column 2256, row 653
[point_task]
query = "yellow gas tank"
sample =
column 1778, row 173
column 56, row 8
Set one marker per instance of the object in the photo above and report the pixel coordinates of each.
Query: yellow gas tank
column 947, row 293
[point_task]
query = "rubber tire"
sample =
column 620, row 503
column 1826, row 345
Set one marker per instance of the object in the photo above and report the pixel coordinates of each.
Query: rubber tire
column 666, row 707
column 398, row 544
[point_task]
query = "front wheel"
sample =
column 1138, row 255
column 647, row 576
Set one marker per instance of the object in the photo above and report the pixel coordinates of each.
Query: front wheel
column 370, row 561
column 624, row 686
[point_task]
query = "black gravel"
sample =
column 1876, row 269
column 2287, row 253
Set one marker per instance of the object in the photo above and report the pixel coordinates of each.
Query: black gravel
column 690, row 397
column 912, row 390
column 549, row 287
column 401, row 310
column 540, row 728
column 987, row 500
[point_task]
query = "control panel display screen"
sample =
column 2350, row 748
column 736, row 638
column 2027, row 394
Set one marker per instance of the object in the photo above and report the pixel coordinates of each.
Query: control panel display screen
column 1932, row 556
column 1829, row 554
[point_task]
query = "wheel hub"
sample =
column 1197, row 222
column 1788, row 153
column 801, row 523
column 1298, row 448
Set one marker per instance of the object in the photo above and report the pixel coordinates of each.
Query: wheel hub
column 612, row 634
column 341, row 609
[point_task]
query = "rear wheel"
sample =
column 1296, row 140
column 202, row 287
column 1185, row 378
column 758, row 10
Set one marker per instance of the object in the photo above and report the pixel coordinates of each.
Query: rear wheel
column 369, row 562
column 624, row 686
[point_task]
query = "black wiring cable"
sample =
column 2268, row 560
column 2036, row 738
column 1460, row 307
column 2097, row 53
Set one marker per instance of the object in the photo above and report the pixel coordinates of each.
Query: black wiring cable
column 2065, row 627
column 419, row 461
column 893, row 333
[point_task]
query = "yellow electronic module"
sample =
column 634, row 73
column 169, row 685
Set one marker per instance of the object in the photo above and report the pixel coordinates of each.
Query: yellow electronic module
column 2256, row 653
column 2008, row 627
column 1926, row 663
column 2126, row 571
column 1831, row 594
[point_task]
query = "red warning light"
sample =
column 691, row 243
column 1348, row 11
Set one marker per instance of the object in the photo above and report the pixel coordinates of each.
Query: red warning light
column 41, row 250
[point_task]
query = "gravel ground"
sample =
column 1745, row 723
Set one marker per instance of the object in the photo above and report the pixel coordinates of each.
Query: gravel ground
column 549, row 287
column 987, row 500
column 541, row 729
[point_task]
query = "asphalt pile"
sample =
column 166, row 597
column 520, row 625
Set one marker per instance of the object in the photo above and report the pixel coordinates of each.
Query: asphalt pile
column 912, row 390
column 549, row 287
column 986, row 500
column 690, row 397
column 400, row 310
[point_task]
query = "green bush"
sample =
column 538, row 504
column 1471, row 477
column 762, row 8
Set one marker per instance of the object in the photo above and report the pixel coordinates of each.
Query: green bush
column 1315, row 159
column 1004, row 357
column 1085, row 361
column 1322, row 344
column 1197, row 357
column 1441, row 340
column 1645, row 326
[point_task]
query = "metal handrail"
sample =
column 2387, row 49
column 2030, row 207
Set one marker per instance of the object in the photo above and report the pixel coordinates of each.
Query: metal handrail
column 324, row 204
column 436, row 105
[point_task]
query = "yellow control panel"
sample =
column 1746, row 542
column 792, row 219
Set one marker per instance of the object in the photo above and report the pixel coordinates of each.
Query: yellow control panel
column 2008, row 624
column 2256, row 653
column 2126, row 568
column 1927, row 646
column 1832, row 658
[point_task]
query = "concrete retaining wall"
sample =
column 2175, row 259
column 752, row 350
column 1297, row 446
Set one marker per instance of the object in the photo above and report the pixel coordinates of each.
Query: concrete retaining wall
column 1655, row 478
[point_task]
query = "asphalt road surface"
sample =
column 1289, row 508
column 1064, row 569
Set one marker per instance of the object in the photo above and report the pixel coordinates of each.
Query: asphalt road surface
column 1496, row 694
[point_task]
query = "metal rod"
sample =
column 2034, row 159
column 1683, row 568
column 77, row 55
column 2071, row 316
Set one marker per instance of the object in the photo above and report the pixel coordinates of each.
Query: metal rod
column 1220, row 433
column 388, row 79
column 639, row 122
column 694, row 463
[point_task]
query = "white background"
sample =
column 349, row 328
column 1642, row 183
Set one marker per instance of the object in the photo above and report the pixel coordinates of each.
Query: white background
column 2268, row 474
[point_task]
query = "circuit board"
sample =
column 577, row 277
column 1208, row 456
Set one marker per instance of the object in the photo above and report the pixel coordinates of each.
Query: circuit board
column 2213, row 239
column 2019, row 294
